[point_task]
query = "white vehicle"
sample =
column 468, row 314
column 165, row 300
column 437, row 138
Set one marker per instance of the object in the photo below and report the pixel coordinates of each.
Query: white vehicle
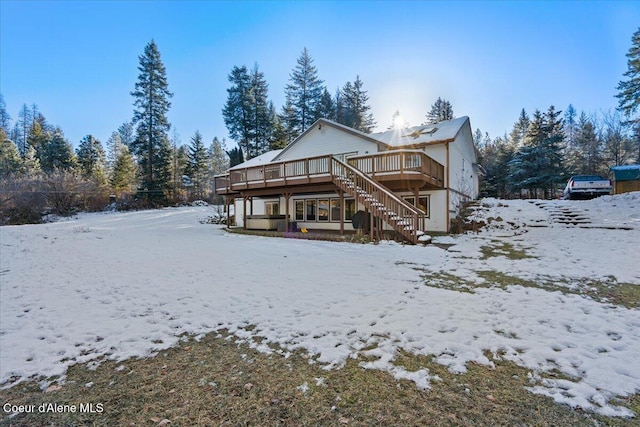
column 586, row 187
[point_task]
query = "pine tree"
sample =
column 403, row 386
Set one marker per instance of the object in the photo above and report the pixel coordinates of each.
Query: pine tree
column 629, row 90
column 338, row 102
column 235, row 157
column 326, row 106
column 114, row 145
column 218, row 156
column 279, row 138
column 552, row 148
column 57, row 154
column 127, row 135
column 262, row 121
column 288, row 120
column 91, row 159
column 304, row 93
column 237, row 109
column 31, row 163
column 440, row 111
column 520, row 128
column 22, row 128
column 5, row 118
column 123, row 174
column 198, row 165
column 570, row 128
column 524, row 167
column 40, row 133
column 151, row 103
column 356, row 109
column 10, row 161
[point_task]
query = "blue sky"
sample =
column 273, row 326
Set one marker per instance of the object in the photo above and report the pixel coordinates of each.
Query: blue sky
column 77, row 60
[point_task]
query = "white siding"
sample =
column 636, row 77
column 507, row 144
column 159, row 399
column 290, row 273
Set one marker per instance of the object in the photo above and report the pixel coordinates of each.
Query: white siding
column 327, row 140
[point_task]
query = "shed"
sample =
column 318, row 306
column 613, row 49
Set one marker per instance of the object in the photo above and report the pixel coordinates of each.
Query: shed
column 626, row 178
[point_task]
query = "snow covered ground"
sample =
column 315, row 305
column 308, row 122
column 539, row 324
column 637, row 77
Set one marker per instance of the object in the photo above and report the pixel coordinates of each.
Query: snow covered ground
column 118, row 285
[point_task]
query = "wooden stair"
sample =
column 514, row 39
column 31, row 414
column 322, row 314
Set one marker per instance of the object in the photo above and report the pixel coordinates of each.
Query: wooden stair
column 402, row 216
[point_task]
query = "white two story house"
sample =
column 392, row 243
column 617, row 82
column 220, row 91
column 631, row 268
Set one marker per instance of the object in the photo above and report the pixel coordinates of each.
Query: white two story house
column 408, row 181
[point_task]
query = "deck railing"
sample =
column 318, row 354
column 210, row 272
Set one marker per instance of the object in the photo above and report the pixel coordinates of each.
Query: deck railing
column 402, row 162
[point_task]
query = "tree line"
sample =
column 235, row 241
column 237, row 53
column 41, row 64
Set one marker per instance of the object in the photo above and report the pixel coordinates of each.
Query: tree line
column 145, row 161
column 542, row 151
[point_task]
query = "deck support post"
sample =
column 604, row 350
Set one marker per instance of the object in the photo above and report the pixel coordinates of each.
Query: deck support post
column 342, row 207
column 244, row 212
column 287, row 197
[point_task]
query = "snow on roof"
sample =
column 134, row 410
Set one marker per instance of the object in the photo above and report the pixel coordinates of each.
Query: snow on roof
column 260, row 160
column 625, row 168
column 423, row 134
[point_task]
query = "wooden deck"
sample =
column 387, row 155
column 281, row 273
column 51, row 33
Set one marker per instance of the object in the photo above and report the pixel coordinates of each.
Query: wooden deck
column 405, row 168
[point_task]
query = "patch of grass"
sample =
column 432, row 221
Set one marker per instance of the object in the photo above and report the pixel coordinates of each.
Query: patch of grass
column 216, row 381
column 605, row 291
column 504, row 249
column 608, row 291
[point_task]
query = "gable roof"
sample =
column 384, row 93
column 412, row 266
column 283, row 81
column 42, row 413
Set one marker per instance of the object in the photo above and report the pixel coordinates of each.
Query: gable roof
column 327, row 122
column 422, row 135
column 260, row 160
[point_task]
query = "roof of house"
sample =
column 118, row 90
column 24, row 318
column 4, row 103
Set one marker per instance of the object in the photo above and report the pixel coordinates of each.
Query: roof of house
column 410, row 137
column 422, row 135
column 260, row 160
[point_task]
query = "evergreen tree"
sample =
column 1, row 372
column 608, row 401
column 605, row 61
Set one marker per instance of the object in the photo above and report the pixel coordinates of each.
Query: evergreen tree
column 127, row 135
column 326, row 107
column 123, row 174
column 198, row 165
column 91, row 159
column 235, row 157
column 151, row 144
column 524, row 167
column 31, row 163
column 629, row 89
column 285, row 129
column 552, row 152
column 218, row 156
column 114, row 145
column 440, row 111
column 570, row 125
column 22, row 128
column 57, row 154
column 520, row 128
column 40, row 133
column 10, row 161
column 339, row 106
column 304, row 93
column 261, row 115
column 5, row 118
column 237, row 109
column 279, row 138
column 356, row 109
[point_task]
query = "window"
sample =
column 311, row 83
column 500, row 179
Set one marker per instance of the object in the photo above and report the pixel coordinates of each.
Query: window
column 423, row 203
column 349, row 209
column 272, row 208
column 311, row 210
column 323, row 210
column 335, row 209
column 299, row 210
